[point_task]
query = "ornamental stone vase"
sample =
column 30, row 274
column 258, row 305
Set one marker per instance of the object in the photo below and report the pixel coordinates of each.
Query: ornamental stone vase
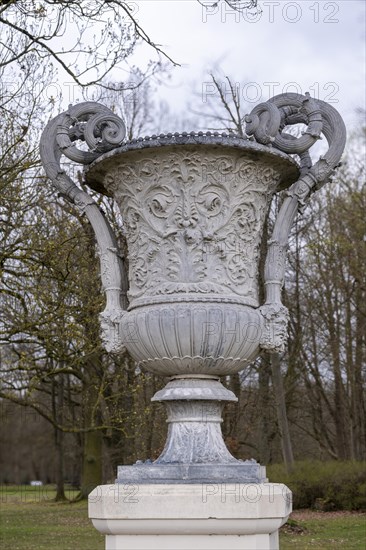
column 193, row 208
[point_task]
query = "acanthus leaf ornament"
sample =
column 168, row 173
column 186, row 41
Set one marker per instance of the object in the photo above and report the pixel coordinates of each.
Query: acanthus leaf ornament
column 193, row 230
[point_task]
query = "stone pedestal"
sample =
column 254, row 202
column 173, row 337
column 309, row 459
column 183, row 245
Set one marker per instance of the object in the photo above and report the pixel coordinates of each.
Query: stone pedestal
column 198, row 517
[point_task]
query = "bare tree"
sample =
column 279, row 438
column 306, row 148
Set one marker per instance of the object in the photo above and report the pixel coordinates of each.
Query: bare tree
column 220, row 107
column 99, row 36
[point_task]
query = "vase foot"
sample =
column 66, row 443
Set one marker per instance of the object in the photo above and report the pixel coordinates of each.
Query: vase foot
column 195, row 451
column 247, row 471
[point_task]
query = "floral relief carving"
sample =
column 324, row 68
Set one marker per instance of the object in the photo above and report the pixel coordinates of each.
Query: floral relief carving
column 193, row 221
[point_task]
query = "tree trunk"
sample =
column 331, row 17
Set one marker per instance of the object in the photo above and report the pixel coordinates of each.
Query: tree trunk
column 92, row 463
column 264, row 399
column 280, row 399
column 358, row 387
column 264, row 371
column 60, row 486
column 58, row 414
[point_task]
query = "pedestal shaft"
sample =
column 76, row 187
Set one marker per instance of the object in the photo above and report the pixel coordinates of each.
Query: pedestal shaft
column 195, row 451
column 194, row 407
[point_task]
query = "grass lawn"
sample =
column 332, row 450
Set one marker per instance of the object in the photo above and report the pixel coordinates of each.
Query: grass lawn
column 324, row 530
column 31, row 521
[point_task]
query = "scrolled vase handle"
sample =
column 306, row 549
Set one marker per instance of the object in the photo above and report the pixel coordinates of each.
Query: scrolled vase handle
column 102, row 131
column 265, row 123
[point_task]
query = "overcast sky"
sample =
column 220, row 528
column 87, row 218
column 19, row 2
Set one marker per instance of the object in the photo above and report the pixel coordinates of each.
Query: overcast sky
column 316, row 46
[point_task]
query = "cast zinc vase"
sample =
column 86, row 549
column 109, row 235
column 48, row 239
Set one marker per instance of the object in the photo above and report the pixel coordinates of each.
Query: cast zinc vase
column 193, row 211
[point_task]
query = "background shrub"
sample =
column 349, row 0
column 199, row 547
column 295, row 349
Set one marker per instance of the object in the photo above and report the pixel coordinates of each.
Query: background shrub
column 327, row 486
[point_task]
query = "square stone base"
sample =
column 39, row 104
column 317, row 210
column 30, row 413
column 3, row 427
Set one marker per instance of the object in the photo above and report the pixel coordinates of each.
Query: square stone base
column 190, row 517
column 192, row 542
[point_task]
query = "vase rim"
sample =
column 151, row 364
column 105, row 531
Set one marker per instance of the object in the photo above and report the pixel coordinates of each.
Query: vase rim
column 95, row 171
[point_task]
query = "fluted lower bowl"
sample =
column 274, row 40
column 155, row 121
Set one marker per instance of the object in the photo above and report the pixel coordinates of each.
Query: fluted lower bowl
column 193, row 338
